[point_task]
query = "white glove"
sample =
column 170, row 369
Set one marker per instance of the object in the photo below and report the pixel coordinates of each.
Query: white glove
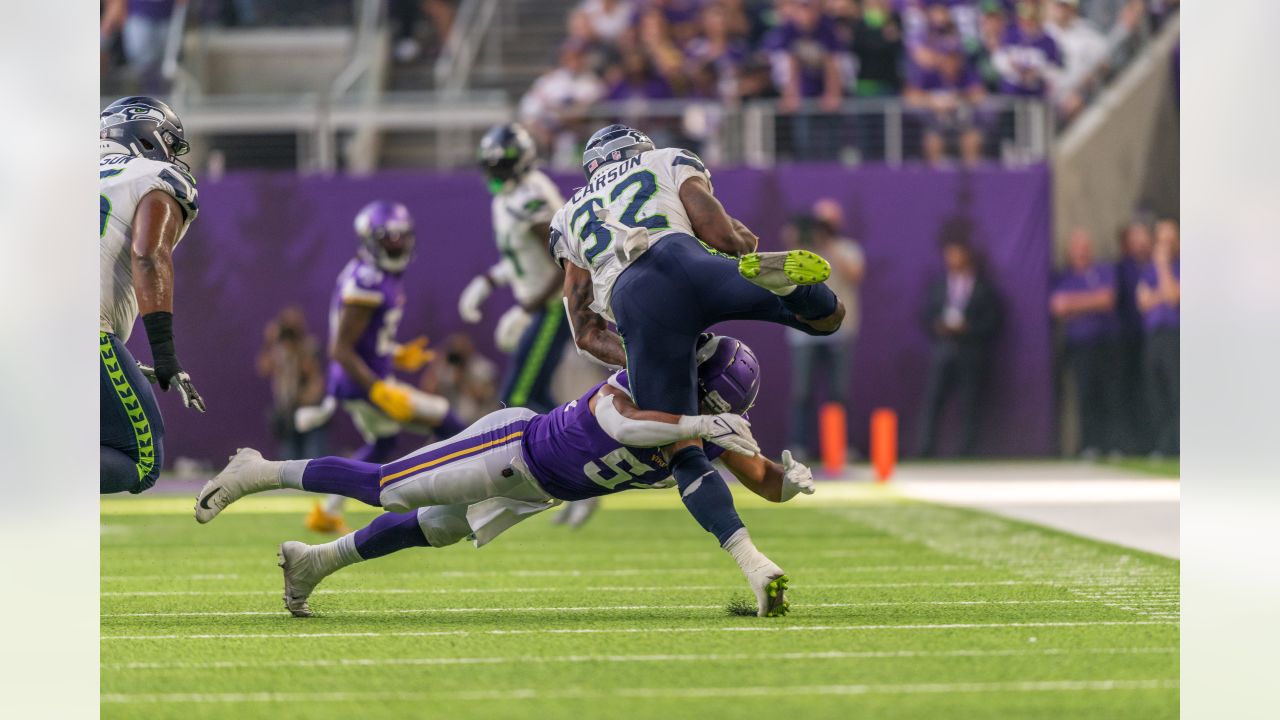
column 182, row 381
column 511, row 326
column 472, row 297
column 729, row 431
column 796, row 477
column 310, row 417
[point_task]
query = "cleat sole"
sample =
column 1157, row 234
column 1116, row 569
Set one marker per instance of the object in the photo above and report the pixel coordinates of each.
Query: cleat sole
column 777, row 590
column 801, row 267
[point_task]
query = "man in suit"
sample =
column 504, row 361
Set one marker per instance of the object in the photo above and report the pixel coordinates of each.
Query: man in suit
column 962, row 316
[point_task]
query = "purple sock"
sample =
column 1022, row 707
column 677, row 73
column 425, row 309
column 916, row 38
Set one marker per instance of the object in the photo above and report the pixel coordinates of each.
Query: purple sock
column 449, row 426
column 388, row 533
column 348, row 478
column 379, row 452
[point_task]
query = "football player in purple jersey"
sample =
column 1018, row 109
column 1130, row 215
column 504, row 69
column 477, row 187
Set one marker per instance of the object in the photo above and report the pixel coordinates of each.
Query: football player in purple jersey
column 514, row 463
column 364, row 314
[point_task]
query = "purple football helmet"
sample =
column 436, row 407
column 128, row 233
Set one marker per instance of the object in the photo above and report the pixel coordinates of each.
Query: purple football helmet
column 385, row 230
column 728, row 374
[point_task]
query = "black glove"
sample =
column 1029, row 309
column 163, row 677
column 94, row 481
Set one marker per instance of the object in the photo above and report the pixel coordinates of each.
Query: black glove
column 167, row 371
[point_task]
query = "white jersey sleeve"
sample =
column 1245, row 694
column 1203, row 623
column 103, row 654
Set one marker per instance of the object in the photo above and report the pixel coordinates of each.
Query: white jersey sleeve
column 123, row 180
column 517, row 213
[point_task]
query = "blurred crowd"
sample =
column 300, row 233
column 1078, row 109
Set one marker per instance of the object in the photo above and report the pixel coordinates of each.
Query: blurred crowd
column 1120, row 326
column 945, row 58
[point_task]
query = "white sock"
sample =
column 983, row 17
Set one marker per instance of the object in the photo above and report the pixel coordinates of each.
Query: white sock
column 744, row 551
column 291, row 473
column 332, row 556
column 333, row 504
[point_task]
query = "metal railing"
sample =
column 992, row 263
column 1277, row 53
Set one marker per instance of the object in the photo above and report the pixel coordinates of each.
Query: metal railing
column 458, row 56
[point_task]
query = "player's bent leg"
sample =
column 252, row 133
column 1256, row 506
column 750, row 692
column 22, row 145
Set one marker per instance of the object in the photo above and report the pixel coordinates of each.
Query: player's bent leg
column 766, row 579
column 131, row 430
column 249, row 473
column 473, row 466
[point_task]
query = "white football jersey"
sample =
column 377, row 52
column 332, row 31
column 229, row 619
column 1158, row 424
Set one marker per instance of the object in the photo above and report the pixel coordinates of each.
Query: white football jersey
column 525, row 266
column 641, row 192
column 123, row 180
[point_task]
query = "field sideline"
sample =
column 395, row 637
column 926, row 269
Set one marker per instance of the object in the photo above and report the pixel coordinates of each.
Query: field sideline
column 900, row 609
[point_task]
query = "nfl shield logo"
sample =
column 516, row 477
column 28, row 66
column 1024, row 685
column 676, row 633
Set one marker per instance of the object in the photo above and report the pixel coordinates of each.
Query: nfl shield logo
column 616, row 155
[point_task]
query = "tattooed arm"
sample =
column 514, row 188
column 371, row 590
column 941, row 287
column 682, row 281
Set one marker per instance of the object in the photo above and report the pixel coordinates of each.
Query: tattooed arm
column 590, row 332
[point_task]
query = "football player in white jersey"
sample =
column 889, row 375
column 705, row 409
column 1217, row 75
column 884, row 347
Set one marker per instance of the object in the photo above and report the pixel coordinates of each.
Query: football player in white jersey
column 534, row 330
column 649, row 247
column 147, row 201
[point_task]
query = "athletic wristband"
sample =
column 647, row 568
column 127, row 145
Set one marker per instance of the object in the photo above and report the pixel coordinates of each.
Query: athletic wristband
column 159, row 326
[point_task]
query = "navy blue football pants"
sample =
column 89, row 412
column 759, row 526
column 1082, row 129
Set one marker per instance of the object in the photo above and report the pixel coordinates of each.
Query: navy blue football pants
column 132, row 431
column 672, row 293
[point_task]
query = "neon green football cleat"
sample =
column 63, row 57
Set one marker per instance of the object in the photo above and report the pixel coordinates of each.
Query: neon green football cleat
column 778, row 605
column 775, row 271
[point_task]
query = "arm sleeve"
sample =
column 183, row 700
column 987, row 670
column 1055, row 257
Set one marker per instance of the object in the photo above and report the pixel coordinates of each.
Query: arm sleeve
column 641, row 433
column 179, row 184
column 363, row 287
column 684, row 164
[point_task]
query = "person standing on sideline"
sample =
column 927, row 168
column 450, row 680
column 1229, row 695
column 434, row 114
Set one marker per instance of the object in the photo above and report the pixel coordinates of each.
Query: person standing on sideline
column 290, row 358
column 1084, row 301
column 963, row 316
column 829, row 356
column 1159, row 298
column 1135, row 254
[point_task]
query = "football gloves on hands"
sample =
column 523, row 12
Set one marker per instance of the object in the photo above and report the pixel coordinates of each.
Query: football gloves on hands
column 729, row 431
column 412, row 356
column 393, row 399
column 472, row 297
column 511, row 326
column 174, row 376
column 796, row 477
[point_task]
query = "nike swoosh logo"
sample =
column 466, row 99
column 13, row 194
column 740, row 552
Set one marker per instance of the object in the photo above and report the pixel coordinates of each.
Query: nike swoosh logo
column 204, row 501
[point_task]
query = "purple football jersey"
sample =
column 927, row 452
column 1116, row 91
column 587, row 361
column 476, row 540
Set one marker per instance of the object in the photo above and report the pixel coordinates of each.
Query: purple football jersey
column 362, row 283
column 573, row 458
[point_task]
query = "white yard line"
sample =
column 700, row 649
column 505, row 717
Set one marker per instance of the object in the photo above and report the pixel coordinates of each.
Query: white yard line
column 597, row 608
column 703, row 657
column 586, row 588
column 612, row 631
column 673, row 692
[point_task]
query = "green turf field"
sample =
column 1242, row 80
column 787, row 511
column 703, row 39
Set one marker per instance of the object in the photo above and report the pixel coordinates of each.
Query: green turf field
column 899, row 610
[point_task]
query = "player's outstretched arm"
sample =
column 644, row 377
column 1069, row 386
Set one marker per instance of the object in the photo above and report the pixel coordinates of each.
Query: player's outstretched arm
column 623, row 421
column 590, row 332
column 766, row 478
column 711, row 224
column 157, row 222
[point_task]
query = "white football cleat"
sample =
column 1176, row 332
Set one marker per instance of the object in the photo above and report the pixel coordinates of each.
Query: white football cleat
column 769, row 583
column 301, row 575
column 247, row 473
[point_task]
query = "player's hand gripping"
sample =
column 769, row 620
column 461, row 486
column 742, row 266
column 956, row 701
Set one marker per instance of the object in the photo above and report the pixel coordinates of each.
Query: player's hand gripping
column 796, row 477
column 472, row 297
column 411, row 356
column 166, row 377
column 729, row 431
column 392, row 399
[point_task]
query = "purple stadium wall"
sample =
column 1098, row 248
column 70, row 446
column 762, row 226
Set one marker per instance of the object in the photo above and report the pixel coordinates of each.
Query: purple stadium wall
column 265, row 241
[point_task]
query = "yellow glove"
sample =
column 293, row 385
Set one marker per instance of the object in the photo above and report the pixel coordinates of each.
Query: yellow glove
column 392, row 400
column 411, row 356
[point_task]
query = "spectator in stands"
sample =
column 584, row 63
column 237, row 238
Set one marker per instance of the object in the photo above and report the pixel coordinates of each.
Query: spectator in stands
column 290, row 358
column 555, row 105
column 1084, row 56
column 805, row 53
column 1135, row 254
column 831, row 356
column 407, row 15
column 992, row 29
column 1084, row 302
column 962, row 315
column 1159, row 298
column 464, row 377
column 609, row 19
column 656, row 41
column 681, row 17
column 946, row 96
column 144, row 28
column 718, row 51
column 634, row 79
column 1027, row 59
column 878, row 47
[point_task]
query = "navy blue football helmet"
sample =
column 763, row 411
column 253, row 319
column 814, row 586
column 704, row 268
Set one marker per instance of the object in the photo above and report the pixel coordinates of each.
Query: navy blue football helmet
column 143, row 127
column 611, row 144
column 506, row 153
